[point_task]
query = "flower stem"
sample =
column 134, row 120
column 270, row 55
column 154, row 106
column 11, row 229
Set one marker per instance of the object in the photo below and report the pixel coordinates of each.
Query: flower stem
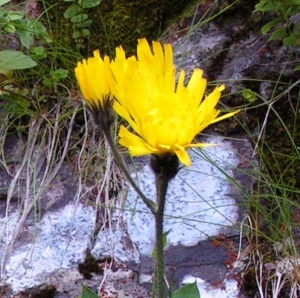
column 150, row 204
column 161, row 188
column 165, row 168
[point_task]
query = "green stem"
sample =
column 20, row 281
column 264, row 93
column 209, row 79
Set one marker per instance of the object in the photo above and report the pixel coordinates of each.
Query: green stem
column 165, row 168
column 161, row 190
column 150, row 204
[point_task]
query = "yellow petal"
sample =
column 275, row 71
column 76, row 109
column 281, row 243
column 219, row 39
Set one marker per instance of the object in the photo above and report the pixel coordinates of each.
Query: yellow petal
column 120, row 54
column 180, row 83
column 143, row 50
column 124, row 114
column 158, row 53
column 136, row 145
column 183, row 156
column 197, row 83
column 94, row 79
column 79, row 73
column 168, row 56
column 166, row 116
column 225, row 116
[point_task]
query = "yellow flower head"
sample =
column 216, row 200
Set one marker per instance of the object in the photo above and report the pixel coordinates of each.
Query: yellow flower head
column 95, row 80
column 165, row 117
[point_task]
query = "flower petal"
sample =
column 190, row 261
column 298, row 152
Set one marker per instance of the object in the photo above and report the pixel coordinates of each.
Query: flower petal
column 136, row 145
column 183, row 156
column 95, row 79
column 225, row 116
column 165, row 115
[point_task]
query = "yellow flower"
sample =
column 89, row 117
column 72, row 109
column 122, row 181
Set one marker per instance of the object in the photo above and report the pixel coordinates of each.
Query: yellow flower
column 95, row 80
column 164, row 115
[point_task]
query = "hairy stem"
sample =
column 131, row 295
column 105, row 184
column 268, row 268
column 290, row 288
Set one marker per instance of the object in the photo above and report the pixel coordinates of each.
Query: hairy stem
column 161, row 190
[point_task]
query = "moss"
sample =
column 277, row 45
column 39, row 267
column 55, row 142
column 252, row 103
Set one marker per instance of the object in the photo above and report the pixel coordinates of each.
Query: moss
column 119, row 22
column 122, row 22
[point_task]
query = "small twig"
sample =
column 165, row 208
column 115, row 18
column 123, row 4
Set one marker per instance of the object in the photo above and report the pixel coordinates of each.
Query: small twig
column 258, row 267
column 105, row 273
column 277, row 284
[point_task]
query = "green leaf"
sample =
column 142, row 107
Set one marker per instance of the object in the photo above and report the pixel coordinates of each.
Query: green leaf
column 39, row 29
column 87, row 293
column 47, row 82
column 84, row 24
column 26, row 39
column 249, row 95
column 297, row 68
column 264, row 6
column 76, row 34
column 89, row 3
column 14, row 15
column 2, row 22
column 37, row 53
column 187, row 291
column 10, row 59
column 295, row 2
column 9, row 28
column 72, row 11
column 79, row 18
column 81, row 33
column 278, row 34
column 270, row 25
column 291, row 40
column 2, row 2
column 59, row 74
column 86, row 33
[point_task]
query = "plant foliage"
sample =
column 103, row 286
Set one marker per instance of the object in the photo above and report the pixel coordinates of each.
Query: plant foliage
column 286, row 25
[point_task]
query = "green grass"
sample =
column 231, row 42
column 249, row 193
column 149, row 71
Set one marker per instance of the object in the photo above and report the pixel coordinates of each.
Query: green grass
column 274, row 202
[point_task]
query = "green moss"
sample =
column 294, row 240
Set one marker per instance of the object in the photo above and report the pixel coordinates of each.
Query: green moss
column 119, row 22
column 122, row 22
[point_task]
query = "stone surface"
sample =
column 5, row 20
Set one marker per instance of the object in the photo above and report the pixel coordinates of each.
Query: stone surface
column 198, row 204
column 226, row 289
column 59, row 240
column 53, row 246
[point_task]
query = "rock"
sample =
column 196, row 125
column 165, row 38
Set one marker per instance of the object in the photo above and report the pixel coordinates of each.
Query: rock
column 198, row 204
column 59, row 240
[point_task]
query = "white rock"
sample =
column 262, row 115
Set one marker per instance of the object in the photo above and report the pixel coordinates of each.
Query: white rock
column 62, row 238
column 227, row 289
column 198, row 202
